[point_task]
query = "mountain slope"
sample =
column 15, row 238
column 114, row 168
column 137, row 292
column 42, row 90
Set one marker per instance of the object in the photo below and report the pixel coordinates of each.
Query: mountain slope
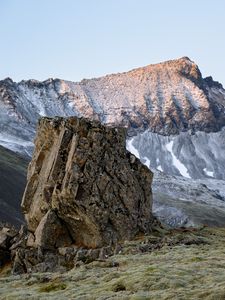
column 180, row 201
column 199, row 155
column 12, row 184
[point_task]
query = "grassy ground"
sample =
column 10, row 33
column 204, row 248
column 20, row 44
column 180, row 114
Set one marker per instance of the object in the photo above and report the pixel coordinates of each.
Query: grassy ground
column 191, row 265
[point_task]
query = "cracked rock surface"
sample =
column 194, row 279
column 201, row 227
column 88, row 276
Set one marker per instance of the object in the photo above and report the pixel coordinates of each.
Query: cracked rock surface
column 83, row 187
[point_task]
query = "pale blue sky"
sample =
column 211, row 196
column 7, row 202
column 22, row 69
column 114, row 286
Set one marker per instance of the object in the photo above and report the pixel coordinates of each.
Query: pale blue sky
column 75, row 39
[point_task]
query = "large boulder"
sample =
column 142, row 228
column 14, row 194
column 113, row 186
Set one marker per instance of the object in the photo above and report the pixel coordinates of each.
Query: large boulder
column 83, row 187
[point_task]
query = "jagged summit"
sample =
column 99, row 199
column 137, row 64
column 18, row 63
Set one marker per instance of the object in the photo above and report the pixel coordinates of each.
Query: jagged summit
column 183, row 64
column 171, row 62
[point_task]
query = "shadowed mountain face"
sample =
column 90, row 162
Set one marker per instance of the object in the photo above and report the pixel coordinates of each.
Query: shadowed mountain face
column 12, row 184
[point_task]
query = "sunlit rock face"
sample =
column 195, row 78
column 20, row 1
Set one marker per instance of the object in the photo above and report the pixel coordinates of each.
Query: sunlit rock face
column 83, row 187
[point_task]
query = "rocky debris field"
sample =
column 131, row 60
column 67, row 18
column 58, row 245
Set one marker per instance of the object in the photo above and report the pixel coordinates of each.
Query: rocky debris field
column 179, row 201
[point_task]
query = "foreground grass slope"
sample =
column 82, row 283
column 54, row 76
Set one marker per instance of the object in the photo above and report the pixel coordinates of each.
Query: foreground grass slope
column 183, row 265
column 12, row 183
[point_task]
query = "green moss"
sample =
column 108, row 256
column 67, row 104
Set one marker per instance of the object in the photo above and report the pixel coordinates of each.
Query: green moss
column 118, row 286
column 52, row 287
column 139, row 297
column 196, row 259
column 150, row 269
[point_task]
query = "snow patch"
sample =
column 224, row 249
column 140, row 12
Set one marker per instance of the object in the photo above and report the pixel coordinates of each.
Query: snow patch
column 159, row 168
column 146, row 162
column 132, row 149
column 209, row 173
column 181, row 167
column 42, row 112
column 13, row 140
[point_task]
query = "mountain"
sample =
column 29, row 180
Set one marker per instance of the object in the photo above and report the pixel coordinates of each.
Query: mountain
column 175, row 117
column 170, row 100
column 12, row 183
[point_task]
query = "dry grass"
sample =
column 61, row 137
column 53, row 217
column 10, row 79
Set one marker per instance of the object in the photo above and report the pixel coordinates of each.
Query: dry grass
column 195, row 270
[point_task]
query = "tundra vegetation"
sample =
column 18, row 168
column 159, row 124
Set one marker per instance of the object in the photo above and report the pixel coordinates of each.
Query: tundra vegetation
column 168, row 264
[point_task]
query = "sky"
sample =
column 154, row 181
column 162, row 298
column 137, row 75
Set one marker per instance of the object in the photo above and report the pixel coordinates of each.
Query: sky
column 76, row 39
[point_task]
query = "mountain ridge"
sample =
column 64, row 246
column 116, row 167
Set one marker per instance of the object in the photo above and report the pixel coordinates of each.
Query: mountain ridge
column 170, row 61
column 166, row 99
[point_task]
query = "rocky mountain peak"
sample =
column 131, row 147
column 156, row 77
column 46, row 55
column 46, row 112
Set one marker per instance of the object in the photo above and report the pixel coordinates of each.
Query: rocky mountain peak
column 7, row 80
column 189, row 68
